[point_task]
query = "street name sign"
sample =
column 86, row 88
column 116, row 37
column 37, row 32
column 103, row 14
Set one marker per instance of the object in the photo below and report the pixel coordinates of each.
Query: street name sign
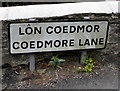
column 31, row 37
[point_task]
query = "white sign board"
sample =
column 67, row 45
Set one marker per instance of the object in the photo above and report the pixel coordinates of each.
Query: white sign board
column 30, row 37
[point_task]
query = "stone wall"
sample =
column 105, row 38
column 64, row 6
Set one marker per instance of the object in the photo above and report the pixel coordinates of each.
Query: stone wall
column 112, row 43
column 0, row 42
column 0, row 54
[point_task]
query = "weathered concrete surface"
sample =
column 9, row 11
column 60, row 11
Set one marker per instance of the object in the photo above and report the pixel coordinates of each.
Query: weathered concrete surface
column 107, row 80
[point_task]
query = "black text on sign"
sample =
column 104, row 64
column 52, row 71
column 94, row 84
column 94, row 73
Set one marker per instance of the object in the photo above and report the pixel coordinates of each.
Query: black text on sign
column 57, row 36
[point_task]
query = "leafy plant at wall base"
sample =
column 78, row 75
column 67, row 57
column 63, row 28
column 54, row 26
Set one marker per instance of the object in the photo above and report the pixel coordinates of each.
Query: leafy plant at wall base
column 88, row 65
column 55, row 61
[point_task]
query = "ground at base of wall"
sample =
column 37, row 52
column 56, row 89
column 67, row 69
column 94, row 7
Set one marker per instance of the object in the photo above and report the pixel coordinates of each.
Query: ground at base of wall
column 103, row 76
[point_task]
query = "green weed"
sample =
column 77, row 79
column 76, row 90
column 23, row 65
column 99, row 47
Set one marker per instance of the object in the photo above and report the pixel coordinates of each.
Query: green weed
column 88, row 64
column 55, row 61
